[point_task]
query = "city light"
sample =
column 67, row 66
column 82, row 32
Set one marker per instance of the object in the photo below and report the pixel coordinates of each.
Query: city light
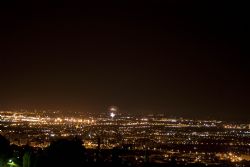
column 150, row 132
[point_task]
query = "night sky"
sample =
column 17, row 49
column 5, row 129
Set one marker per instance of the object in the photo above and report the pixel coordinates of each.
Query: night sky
column 184, row 59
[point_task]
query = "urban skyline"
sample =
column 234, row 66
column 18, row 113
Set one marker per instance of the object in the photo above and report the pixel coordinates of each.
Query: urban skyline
column 207, row 142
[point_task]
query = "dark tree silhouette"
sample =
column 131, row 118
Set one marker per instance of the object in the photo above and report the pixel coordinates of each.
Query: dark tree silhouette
column 65, row 153
column 5, row 150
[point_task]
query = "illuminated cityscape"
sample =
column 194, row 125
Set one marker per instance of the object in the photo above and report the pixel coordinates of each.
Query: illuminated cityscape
column 209, row 142
column 160, row 83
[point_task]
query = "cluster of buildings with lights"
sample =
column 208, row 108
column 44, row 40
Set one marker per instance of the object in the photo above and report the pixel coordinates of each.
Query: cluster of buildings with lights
column 188, row 141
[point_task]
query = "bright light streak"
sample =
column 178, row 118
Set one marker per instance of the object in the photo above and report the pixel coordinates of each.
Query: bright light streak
column 113, row 109
column 112, row 115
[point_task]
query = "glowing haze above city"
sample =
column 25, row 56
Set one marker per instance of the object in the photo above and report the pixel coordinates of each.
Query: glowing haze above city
column 143, row 61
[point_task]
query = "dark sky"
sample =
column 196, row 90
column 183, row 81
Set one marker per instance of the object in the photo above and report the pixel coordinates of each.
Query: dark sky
column 182, row 58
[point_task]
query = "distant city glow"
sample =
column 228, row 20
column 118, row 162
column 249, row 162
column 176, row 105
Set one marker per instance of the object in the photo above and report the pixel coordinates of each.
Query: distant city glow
column 143, row 131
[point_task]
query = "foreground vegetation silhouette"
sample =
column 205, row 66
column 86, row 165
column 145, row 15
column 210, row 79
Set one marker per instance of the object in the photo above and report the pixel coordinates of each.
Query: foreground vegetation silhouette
column 72, row 153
